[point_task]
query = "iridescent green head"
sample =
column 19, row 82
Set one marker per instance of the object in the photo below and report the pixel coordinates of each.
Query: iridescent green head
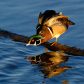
column 34, row 40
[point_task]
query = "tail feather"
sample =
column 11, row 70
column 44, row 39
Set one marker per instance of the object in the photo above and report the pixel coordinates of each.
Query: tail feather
column 71, row 23
column 65, row 20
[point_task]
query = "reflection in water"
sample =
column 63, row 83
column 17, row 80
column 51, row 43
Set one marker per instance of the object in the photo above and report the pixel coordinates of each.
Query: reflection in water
column 65, row 82
column 49, row 63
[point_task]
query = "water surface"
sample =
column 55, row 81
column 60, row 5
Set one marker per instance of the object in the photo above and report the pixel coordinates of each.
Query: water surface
column 21, row 17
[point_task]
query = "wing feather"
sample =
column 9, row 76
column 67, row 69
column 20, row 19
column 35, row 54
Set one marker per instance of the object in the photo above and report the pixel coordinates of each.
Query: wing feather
column 54, row 20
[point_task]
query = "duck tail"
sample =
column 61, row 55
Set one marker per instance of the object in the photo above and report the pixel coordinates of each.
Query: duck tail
column 71, row 23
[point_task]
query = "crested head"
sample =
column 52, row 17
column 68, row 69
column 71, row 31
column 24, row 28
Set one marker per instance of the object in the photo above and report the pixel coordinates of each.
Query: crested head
column 34, row 40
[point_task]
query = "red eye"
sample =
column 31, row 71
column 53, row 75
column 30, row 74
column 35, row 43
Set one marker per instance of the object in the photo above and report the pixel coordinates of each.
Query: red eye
column 32, row 40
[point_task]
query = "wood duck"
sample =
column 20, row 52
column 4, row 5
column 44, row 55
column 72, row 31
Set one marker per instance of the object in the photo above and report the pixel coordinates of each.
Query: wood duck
column 51, row 24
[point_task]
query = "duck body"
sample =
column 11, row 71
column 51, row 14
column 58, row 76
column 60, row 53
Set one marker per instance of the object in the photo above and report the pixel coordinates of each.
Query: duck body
column 51, row 25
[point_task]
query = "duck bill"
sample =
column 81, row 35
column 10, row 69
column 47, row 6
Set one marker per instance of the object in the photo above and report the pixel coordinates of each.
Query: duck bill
column 28, row 44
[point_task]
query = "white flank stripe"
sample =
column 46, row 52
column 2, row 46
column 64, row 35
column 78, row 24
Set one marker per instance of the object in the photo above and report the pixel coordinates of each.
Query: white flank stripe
column 50, row 31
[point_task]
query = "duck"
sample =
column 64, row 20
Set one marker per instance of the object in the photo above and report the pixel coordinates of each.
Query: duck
column 50, row 25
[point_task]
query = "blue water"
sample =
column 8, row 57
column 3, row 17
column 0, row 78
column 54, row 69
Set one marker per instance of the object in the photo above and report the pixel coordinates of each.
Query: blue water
column 21, row 17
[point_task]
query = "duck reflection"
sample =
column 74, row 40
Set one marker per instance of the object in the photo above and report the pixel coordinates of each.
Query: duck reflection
column 65, row 82
column 49, row 63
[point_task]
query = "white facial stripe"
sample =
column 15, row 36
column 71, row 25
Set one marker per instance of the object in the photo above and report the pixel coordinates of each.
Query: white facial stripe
column 37, row 44
column 40, row 42
column 50, row 31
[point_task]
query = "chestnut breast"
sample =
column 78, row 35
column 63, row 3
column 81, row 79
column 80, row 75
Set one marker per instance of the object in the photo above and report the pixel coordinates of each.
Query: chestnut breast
column 45, row 32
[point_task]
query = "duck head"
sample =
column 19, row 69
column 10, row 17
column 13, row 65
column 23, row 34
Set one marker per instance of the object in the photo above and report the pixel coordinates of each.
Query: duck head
column 34, row 40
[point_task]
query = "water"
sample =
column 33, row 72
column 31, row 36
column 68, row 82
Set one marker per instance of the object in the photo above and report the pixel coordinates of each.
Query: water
column 21, row 17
